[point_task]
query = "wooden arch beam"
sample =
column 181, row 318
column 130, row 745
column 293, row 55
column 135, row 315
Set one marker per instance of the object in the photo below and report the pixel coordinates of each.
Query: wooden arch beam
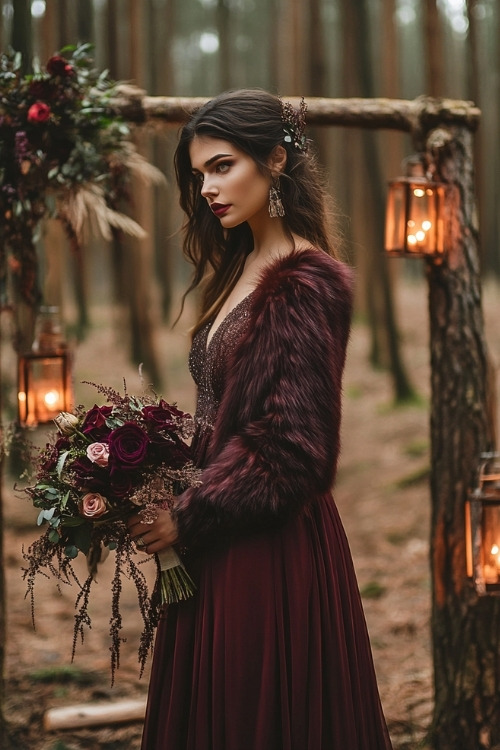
column 391, row 114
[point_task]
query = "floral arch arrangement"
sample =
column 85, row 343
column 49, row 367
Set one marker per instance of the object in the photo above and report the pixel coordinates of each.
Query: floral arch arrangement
column 65, row 153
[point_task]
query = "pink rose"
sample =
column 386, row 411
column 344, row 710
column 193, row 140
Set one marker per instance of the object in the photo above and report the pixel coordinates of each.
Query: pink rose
column 98, row 453
column 93, row 505
column 39, row 112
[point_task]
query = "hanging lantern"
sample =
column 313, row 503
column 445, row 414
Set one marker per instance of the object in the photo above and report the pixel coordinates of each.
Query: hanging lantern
column 44, row 374
column 482, row 523
column 415, row 215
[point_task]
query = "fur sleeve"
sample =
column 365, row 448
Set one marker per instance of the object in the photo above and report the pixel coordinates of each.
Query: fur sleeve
column 276, row 440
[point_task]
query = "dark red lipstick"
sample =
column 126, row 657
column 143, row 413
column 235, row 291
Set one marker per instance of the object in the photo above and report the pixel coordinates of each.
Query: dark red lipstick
column 219, row 209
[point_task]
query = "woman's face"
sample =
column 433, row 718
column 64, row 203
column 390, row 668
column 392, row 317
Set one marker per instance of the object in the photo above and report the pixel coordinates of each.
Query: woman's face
column 231, row 182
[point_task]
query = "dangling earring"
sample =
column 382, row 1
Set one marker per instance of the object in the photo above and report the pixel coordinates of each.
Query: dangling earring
column 276, row 207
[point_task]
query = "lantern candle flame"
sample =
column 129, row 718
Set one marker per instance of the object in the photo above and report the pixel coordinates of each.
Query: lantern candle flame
column 44, row 374
column 482, row 522
column 415, row 216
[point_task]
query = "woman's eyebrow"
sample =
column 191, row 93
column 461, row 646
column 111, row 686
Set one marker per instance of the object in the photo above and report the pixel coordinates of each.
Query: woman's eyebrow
column 211, row 160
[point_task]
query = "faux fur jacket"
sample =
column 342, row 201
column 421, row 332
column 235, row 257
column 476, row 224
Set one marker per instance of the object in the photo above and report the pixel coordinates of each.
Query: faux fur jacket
column 276, row 439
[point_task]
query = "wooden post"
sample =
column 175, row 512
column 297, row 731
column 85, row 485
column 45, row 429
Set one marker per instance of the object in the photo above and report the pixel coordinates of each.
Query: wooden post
column 465, row 628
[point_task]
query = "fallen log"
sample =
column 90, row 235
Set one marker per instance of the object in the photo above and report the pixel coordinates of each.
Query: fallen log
column 90, row 714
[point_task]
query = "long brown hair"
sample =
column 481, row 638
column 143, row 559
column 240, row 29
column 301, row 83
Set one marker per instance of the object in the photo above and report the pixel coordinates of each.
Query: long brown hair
column 251, row 120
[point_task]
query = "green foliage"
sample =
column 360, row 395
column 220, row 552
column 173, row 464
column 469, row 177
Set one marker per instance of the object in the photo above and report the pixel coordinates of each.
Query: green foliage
column 399, row 537
column 372, row 590
column 417, row 448
column 63, row 675
column 414, row 478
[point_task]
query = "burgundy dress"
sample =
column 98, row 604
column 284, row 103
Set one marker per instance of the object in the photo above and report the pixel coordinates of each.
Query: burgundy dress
column 272, row 653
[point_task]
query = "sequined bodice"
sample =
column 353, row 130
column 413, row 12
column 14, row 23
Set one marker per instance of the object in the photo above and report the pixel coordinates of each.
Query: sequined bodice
column 208, row 366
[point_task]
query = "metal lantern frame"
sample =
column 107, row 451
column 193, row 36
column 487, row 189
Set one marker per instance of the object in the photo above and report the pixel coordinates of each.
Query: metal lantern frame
column 45, row 386
column 482, row 525
column 415, row 221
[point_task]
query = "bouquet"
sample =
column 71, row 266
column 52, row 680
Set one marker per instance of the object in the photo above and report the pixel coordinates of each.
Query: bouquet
column 65, row 152
column 127, row 456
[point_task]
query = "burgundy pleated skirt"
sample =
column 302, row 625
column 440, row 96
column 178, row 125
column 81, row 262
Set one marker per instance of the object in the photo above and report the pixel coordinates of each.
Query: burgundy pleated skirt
column 272, row 653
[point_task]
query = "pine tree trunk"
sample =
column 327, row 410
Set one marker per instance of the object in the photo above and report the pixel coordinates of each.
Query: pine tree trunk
column 380, row 299
column 317, row 84
column 465, row 628
column 21, row 32
column 85, row 20
column 434, row 59
column 291, row 39
column 223, row 22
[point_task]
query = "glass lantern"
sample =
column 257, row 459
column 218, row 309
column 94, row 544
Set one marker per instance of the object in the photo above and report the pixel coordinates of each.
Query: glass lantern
column 482, row 524
column 414, row 223
column 44, row 374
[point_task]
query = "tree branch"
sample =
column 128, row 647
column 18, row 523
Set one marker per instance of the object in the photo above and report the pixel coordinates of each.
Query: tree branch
column 392, row 114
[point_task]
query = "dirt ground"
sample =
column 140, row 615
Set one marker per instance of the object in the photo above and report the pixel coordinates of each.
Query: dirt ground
column 383, row 496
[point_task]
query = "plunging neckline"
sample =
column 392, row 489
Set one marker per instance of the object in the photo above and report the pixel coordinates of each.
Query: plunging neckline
column 224, row 320
column 210, row 338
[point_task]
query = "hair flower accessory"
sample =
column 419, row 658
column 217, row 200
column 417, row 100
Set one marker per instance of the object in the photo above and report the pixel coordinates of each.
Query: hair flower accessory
column 294, row 124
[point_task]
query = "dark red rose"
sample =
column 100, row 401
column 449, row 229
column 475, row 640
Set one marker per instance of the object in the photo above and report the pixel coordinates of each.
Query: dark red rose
column 42, row 89
column 39, row 112
column 122, row 482
column 59, row 66
column 128, row 446
column 89, row 476
column 94, row 424
column 82, row 468
column 162, row 417
column 170, row 450
column 62, row 444
column 52, row 453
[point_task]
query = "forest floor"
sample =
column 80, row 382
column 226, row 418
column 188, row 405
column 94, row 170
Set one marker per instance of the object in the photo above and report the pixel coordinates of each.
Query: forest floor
column 383, row 496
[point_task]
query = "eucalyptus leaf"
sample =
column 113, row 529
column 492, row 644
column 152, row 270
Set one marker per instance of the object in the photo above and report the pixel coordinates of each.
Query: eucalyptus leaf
column 72, row 521
column 71, row 551
column 82, row 537
column 60, row 462
column 51, row 493
column 54, row 536
column 83, row 50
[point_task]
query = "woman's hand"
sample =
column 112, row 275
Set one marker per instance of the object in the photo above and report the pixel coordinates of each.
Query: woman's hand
column 153, row 537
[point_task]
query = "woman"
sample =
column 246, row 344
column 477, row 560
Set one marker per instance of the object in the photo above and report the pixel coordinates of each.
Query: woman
column 272, row 652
